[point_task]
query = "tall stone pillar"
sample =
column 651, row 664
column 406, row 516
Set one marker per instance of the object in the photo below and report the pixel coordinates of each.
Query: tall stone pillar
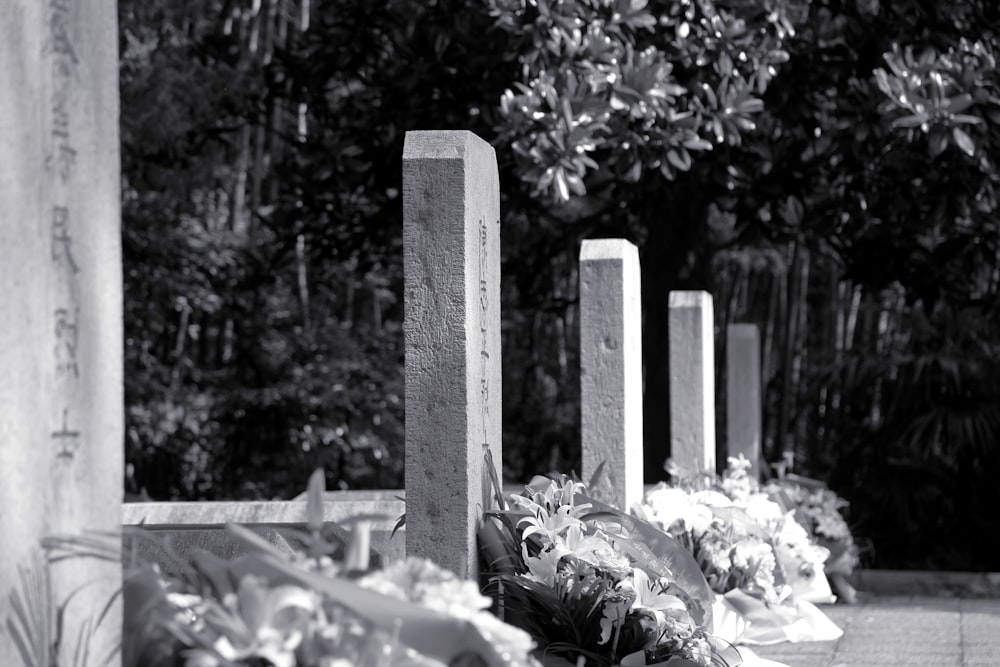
column 611, row 366
column 692, row 381
column 61, row 406
column 451, row 252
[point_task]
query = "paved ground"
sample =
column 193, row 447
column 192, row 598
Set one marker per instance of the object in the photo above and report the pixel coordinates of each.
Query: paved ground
column 903, row 632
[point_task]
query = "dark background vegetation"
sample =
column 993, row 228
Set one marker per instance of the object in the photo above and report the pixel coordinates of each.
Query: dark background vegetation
column 826, row 169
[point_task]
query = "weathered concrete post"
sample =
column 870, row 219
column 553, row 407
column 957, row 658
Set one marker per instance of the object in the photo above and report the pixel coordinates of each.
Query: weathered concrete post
column 61, row 408
column 451, row 249
column 611, row 366
column 743, row 400
column 692, row 381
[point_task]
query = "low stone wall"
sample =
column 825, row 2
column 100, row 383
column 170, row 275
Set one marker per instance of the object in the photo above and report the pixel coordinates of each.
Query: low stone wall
column 927, row 583
column 201, row 525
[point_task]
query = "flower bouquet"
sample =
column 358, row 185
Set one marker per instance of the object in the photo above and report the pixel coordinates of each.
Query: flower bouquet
column 273, row 609
column 817, row 510
column 756, row 558
column 802, row 561
column 592, row 584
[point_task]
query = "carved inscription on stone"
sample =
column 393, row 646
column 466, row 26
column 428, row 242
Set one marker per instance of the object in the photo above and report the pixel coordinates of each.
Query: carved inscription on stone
column 60, row 162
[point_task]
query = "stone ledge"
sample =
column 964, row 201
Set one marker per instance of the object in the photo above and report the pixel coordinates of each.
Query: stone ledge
column 276, row 513
column 200, row 525
column 927, row 583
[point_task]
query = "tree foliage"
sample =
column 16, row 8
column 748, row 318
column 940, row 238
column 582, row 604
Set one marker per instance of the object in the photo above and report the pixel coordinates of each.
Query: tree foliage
column 867, row 148
column 264, row 315
column 879, row 146
column 825, row 167
column 631, row 88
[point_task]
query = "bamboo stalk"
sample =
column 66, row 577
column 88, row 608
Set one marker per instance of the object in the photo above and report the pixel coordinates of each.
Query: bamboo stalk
column 349, row 303
column 270, row 25
column 304, row 11
column 376, row 308
column 791, row 316
column 180, row 340
column 256, row 197
column 830, row 392
column 238, row 211
column 255, row 26
column 225, row 353
column 303, row 280
column 852, row 317
column 277, row 143
column 283, row 21
column 801, row 354
column 767, row 354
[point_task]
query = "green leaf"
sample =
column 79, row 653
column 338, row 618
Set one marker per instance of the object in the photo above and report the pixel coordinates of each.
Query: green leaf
column 959, row 104
column 400, row 522
column 751, row 105
column 29, row 623
column 252, row 541
column 966, row 119
column 680, row 159
column 595, row 478
column 561, row 185
column 912, row 120
column 697, row 144
column 964, row 141
column 938, row 143
column 617, row 103
column 359, row 547
column 634, row 172
column 314, row 501
column 791, row 211
column 658, row 553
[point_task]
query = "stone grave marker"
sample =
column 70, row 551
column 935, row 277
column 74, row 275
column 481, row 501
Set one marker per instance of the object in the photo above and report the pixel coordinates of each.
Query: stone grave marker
column 743, row 399
column 692, row 380
column 451, row 250
column 61, row 406
column 611, row 366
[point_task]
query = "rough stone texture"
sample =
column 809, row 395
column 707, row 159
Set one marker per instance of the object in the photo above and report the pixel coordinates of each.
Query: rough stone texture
column 451, row 251
column 611, row 366
column 61, row 452
column 903, row 631
column 692, row 380
column 743, row 401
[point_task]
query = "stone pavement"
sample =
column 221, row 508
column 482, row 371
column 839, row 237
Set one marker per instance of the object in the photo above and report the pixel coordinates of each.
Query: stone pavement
column 903, row 631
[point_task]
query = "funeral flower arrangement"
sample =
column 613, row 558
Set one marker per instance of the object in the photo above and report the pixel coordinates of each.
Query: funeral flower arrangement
column 592, row 584
column 269, row 608
column 740, row 537
column 569, row 580
column 754, row 552
column 261, row 611
column 818, row 510
column 732, row 550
